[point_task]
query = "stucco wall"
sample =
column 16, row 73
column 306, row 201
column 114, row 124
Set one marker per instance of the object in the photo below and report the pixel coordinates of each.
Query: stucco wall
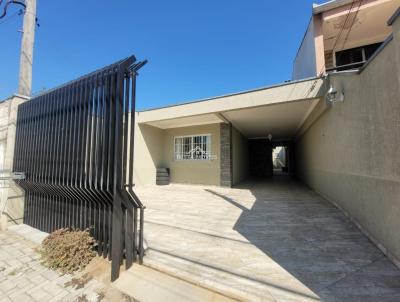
column 149, row 153
column 304, row 65
column 193, row 171
column 351, row 153
column 240, row 156
column 154, row 149
column 4, row 112
column 12, row 196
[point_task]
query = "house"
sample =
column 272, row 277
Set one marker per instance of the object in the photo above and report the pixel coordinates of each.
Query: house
column 231, row 131
column 338, row 119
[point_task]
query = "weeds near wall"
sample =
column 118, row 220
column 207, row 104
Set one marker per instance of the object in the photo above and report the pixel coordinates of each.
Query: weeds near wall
column 67, row 250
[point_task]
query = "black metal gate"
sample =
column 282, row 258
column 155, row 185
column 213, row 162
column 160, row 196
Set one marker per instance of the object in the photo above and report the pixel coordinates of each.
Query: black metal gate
column 75, row 145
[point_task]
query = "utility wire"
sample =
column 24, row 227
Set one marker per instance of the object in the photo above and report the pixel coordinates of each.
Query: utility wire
column 351, row 26
column 7, row 4
column 340, row 33
column 337, row 39
column 10, row 17
column 343, row 27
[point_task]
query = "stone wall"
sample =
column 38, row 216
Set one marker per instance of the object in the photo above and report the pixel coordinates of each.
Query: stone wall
column 226, row 174
column 240, row 156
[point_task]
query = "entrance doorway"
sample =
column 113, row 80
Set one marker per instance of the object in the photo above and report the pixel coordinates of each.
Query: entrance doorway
column 260, row 160
column 268, row 158
column 280, row 160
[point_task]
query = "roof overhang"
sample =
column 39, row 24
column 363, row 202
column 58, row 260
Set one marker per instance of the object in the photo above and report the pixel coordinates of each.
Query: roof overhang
column 339, row 15
column 278, row 110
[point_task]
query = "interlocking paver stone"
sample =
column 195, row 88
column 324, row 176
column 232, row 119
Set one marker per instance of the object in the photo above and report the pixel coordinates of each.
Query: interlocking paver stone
column 23, row 278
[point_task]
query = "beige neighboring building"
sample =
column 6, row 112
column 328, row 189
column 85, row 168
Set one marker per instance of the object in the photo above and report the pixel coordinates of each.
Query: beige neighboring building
column 338, row 120
column 342, row 35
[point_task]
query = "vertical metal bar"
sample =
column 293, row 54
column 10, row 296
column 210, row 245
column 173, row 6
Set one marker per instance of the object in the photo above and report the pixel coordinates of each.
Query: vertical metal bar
column 78, row 159
column 141, row 250
column 105, row 166
column 117, row 221
column 82, row 157
column 129, row 250
column 135, row 227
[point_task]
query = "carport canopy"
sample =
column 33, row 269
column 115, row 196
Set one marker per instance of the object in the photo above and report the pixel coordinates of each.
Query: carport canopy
column 279, row 110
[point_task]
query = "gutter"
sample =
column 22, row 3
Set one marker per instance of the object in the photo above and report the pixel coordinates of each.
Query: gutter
column 320, row 8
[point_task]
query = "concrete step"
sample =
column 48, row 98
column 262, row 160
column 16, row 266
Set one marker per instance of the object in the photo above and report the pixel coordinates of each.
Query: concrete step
column 163, row 173
column 149, row 285
column 162, row 176
column 162, row 182
column 196, row 273
column 195, row 256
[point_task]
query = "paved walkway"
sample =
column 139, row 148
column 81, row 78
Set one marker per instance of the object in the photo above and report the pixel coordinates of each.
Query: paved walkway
column 265, row 241
column 24, row 279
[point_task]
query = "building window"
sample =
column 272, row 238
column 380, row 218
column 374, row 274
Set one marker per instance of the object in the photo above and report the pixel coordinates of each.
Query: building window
column 354, row 57
column 192, row 147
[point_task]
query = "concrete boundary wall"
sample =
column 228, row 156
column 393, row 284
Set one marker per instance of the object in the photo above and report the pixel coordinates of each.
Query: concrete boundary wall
column 12, row 196
column 350, row 154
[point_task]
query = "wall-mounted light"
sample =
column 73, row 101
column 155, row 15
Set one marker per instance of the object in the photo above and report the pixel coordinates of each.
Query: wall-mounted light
column 270, row 137
column 334, row 96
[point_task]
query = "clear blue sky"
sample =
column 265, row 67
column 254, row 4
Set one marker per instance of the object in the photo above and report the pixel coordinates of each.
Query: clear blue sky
column 196, row 49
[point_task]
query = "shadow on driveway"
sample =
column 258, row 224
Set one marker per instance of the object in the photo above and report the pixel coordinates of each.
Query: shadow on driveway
column 315, row 242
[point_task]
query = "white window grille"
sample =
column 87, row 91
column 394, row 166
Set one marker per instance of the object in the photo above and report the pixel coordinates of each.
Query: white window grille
column 192, row 147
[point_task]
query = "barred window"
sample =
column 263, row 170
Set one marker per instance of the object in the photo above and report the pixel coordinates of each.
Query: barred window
column 192, row 147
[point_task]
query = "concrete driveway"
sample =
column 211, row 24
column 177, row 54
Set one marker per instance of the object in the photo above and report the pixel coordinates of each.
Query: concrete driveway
column 267, row 240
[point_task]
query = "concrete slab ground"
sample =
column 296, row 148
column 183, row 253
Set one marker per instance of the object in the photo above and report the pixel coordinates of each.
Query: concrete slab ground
column 266, row 240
